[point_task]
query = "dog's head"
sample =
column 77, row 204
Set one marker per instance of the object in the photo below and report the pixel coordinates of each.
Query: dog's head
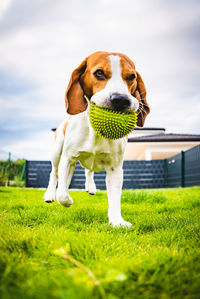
column 109, row 80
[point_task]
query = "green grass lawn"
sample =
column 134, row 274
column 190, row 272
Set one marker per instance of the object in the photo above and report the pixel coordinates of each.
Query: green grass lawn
column 48, row 251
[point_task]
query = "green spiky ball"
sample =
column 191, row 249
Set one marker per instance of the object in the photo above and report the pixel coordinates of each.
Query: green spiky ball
column 111, row 124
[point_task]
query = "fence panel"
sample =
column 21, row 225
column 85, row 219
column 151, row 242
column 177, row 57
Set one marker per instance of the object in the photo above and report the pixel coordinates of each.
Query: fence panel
column 192, row 167
column 143, row 174
column 137, row 174
column 174, row 171
column 37, row 173
column 184, row 169
column 180, row 170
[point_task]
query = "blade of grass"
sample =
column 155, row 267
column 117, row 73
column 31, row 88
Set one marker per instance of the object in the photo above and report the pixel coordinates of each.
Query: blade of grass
column 96, row 282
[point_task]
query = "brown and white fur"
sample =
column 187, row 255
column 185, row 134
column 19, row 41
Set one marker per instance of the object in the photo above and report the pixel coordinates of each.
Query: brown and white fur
column 109, row 80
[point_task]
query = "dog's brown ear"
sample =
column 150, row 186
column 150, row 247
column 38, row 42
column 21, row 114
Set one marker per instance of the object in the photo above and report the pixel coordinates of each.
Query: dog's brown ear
column 74, row 95
column 140, row 94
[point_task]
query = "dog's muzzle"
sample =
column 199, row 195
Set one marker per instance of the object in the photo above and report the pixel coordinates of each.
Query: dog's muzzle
column 119, row 102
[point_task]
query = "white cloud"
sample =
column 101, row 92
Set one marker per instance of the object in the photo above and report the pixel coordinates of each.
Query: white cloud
column 35, row 147
column 4, row 5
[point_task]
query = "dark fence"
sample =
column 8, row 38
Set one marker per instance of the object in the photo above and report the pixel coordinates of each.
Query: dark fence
column 180, row 170
column 183, row 169
column 137, row 174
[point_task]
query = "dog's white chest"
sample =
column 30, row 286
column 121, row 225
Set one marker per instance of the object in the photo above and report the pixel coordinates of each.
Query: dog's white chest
column 93, row 152
column 97, row 153
column 98, row 161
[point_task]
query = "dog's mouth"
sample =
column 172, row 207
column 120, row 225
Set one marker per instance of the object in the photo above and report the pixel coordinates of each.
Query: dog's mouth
column 116, row 102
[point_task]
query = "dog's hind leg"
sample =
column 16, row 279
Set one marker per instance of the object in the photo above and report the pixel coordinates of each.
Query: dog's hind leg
column 50, row 193
column 90, row 186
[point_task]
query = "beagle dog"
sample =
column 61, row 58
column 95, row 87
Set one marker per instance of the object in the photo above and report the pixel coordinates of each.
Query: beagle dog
column 109, row 80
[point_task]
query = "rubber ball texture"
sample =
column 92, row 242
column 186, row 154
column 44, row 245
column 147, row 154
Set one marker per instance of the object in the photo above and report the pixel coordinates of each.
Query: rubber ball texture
column 111, row 124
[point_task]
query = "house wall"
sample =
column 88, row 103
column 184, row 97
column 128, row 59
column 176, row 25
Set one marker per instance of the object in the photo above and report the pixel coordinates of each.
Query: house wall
column 155, row 150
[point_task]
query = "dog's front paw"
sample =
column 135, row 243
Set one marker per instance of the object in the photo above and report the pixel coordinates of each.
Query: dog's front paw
column 49, row 196
column 119, row 222
column 64, row 199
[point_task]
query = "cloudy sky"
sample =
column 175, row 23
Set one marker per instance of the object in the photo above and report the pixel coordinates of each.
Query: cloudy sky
column 42, row 41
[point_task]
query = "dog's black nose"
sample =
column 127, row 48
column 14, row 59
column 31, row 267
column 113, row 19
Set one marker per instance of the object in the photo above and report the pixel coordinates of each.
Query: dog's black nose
column 119, row 102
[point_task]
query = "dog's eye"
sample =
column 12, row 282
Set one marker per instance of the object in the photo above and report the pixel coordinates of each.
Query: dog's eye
column 99, row 74
column 130, row 78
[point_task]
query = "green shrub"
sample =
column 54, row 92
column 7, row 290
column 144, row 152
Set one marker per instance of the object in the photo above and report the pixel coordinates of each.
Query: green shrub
column 12, row 171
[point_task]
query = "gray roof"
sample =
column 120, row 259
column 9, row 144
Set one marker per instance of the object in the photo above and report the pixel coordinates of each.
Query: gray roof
column 161, row 137
column 149, row 129
column 165, row 138
column 136, row 129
